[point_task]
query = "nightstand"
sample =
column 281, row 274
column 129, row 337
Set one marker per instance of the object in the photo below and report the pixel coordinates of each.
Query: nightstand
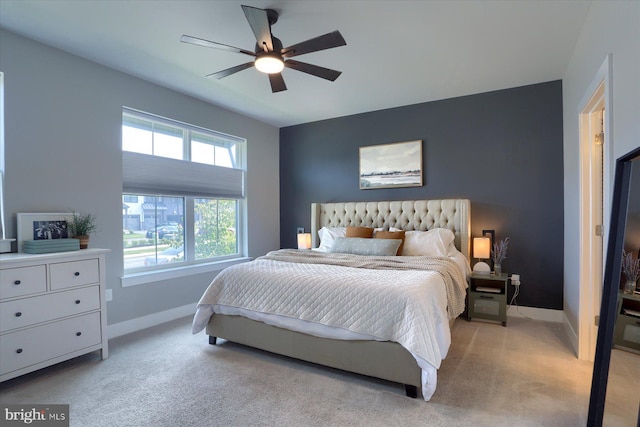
column 626, row 334
column 488, row 297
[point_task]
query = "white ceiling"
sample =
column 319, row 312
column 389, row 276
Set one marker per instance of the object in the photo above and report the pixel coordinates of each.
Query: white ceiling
column 397, row 53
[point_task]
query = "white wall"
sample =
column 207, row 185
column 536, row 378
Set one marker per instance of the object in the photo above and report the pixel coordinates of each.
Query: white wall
column 611, row 27
column 63, row 153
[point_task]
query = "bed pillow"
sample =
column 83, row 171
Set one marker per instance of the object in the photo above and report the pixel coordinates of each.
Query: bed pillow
column 328, row 235
column 365, row 246
column 366, row 232
column 435, row 242
column 392, row 235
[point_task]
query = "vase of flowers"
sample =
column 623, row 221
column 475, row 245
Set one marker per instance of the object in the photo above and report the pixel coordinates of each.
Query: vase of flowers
column 499, row 253
column 631, row 270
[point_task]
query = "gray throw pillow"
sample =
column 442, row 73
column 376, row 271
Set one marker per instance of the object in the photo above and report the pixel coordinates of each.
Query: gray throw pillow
column 364, row 246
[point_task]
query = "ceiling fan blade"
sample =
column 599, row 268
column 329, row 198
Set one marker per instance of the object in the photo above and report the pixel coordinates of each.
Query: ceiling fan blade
column 207, row 43
column 314, row 70
column 259, row 23
column 224, row 73
column 327, row 41
column 277, row 82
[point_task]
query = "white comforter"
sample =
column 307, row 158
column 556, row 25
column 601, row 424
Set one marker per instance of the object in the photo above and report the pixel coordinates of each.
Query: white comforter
column 407, row 300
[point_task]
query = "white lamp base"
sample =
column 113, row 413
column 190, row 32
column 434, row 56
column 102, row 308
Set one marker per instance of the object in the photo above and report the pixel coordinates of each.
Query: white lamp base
column 481, row 268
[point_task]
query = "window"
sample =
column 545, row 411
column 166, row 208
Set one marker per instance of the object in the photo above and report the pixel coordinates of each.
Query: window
column 183, row 189
column 216, row 228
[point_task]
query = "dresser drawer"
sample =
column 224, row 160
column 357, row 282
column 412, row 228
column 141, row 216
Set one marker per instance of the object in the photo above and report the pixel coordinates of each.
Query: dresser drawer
column 19, row 281
column 74, row 273
column 42, row 308
column 34, row 345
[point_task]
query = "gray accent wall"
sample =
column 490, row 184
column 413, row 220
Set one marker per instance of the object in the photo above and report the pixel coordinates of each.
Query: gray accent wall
column 63, row 152
column 502, row 150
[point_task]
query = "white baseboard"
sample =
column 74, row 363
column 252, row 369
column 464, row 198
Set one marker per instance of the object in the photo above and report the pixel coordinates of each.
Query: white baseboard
column 544, row 314
column 144, row 322
column 572, row 335
column 129, row 326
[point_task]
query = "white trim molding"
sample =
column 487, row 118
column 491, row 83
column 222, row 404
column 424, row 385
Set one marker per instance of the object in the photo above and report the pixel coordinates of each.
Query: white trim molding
column 571, row 334
column 590, row 278
column 134, row 325
column 533, row 313
column 142, row 278
column 144, row 322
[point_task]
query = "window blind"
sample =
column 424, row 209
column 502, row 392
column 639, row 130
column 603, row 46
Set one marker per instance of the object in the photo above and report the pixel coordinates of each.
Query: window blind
column 146, row 174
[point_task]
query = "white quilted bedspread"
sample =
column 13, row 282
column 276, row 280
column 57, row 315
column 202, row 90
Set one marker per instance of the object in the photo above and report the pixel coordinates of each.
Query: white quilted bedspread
column 385, row 297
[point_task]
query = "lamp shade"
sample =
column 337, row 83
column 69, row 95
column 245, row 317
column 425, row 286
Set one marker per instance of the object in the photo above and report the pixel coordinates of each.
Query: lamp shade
column 304, row 241
column 481, row 247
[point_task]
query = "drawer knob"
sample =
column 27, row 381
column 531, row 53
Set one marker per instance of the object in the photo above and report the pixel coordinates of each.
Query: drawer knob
column 77, row 273
column 78, row 334
column 18, row 314
column 77, row 301
column 19, row 351
column 17, row 282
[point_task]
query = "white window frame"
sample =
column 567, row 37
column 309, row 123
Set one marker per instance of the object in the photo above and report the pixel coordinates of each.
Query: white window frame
column 5, row 244
column 190, row 265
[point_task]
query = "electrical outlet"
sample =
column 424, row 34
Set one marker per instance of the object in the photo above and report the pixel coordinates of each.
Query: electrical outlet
column 515, row 279
column 300, row 230
column 109, row 295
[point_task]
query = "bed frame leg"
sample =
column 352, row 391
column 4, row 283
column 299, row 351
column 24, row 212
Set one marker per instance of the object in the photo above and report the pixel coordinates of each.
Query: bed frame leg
column 212, row 340
column 411, row 391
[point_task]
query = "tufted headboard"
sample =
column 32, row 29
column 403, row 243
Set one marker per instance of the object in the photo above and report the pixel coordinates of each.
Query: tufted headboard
column 423, row 215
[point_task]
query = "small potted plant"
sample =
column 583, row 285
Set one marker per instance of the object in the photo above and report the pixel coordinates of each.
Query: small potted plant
column 81, row 226
column 499, row 254
column 631, row 270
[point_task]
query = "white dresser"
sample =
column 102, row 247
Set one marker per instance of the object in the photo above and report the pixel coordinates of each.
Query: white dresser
column 52, row 308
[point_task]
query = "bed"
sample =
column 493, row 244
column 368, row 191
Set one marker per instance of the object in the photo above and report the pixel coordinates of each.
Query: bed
column 366, row 344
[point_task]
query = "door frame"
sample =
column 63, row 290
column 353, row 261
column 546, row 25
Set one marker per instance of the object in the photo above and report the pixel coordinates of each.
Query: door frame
column 590, row 287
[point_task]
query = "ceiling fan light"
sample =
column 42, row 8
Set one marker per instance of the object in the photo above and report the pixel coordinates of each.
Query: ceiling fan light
column 269, row 64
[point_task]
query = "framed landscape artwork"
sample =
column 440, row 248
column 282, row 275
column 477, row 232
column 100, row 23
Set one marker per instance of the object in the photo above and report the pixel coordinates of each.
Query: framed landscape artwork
column 392, row 165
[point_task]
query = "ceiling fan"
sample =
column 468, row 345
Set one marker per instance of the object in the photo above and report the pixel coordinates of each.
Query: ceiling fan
column 270, row 55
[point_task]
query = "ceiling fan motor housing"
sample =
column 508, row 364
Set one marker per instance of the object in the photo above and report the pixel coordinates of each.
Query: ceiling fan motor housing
column 272, row 16
column 277, row 46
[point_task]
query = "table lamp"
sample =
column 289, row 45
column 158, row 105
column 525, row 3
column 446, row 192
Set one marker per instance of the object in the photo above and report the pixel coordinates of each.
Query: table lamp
column 481, row 250
column 304, row 240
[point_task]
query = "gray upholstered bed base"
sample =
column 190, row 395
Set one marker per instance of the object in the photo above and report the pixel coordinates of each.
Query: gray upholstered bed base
column 385, row 360
column 370, row 358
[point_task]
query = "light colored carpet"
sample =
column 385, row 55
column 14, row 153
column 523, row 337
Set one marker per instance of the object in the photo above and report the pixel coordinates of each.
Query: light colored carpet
column 521, row 375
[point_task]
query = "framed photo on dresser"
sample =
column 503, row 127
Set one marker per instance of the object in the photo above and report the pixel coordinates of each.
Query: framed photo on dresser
column 42, row 226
